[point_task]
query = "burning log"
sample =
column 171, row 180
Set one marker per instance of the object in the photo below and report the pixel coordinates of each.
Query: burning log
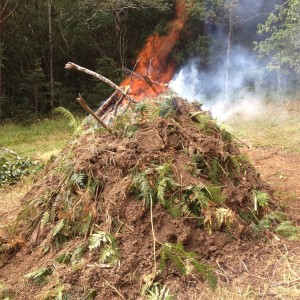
column 142, row 77
column 107, row 104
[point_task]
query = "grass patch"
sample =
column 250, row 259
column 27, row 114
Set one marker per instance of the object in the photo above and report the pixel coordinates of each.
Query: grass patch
column 39, row 140
column 279, row 126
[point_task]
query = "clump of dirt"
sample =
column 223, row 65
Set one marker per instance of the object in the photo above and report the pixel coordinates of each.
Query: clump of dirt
column 162, row 196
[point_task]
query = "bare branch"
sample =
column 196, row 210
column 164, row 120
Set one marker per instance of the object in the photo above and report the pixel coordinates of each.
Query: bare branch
column 90, row 111
column 71, row 65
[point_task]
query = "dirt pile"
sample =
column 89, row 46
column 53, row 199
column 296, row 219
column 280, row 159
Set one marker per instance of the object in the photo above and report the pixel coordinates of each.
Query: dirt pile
column 124, row 214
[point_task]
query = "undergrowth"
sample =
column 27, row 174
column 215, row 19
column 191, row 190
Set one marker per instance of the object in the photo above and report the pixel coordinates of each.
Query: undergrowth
column 13, row 167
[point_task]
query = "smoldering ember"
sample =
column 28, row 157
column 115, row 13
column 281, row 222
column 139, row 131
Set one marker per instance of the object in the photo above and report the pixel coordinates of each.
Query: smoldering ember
column 152, row 196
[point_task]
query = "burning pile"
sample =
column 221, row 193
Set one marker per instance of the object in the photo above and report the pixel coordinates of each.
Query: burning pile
column 128, row 209
column 122, row 212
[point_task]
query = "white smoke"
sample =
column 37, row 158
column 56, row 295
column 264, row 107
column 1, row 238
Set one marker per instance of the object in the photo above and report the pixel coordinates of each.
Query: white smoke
column 242, row 96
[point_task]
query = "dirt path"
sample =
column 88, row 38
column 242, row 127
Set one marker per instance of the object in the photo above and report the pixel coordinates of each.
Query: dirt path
column 280, row 169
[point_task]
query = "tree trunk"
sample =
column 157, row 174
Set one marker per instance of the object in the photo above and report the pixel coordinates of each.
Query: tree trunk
column 228, row 52
column 1, row 57
column 51, row 54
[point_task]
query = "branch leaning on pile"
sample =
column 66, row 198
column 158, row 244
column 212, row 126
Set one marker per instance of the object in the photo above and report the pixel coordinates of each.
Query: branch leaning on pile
column 71, row 65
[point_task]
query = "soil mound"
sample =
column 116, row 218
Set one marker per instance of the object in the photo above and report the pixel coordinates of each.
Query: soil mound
column 122, row 215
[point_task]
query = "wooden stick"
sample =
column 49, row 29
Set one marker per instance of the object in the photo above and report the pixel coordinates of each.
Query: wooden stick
column 71, row 65
column 141, row 77
column 115, row 289
column 117, row 105
column 132, row 73
column 88, row 109
column 107, row 104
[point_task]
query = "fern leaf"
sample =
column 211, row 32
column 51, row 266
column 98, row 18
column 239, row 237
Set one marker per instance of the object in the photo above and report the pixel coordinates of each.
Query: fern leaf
column 206, row 273
column 109, row 255
column 78, row 253
column 58, row 228
column 73, row 122
column 288, row 229
column 39, row 276
column 79, row 179
column 161, row 190
column 99, row 238
column 45, row 219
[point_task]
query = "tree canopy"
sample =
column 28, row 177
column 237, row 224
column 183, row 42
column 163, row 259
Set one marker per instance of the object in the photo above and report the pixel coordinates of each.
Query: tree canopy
column 107, row 35
column 282, row 43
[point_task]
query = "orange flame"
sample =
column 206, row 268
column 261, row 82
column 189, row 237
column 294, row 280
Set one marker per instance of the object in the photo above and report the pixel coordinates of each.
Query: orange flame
column 153, row 60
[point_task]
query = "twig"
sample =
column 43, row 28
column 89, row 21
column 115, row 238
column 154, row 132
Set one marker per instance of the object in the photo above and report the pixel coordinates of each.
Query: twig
column 153, row 234
column 117, row 105
column 71, row 65
column 89, row 110
column 285, row 282
column 240, row 141
column 115, row 289
column 150, row 67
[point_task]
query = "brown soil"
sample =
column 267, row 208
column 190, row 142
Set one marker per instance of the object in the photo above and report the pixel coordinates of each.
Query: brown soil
column 236, row 255
column 281, row 170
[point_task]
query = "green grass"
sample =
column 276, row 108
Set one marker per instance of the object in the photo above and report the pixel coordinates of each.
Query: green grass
column 278, row 126
column 38, row 140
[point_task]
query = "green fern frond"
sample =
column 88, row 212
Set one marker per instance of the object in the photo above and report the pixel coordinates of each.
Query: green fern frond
column 182, row 259
column 99, row 238
column 260, row 199
column 78, row 253
column 156, row 292
column 45, row 219
column 73, row 121
column 142, row 187
column 215, row 171
column 64, row 258
column 39, row 276
column 79, row 179
column 289, row 230
column 214, row 193
column 109, row 254
column 58, row 228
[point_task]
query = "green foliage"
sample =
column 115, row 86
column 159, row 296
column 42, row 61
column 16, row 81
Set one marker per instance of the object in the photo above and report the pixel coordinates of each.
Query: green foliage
column 39, row 276
column 277, row 221
column 78, row 179
column 156, row 292
column 215, row 171
column 109, row 251
column 125, row 125
column 13, row 167
column 260, row 198
column 73, row 122
column 154, row 183
column 289, row 230
column 92, row 293
column 64, row 258
column 204, row 122
column 78, row 253
column 185, row 262
column 281, row 47
column 57, row 292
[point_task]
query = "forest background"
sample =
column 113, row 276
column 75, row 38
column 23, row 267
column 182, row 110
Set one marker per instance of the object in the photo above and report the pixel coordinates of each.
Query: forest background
column 38, row 37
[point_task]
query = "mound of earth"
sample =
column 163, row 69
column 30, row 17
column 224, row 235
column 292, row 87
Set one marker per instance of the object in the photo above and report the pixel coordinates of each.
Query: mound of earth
column 127, row 213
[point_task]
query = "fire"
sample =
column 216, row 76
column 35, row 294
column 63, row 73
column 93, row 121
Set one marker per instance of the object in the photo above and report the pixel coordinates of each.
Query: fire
column 153, row 64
